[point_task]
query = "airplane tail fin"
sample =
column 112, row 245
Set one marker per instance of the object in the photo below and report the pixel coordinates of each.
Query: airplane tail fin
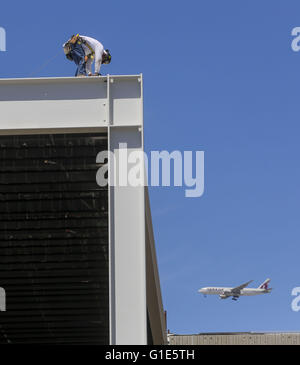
column 265, row 285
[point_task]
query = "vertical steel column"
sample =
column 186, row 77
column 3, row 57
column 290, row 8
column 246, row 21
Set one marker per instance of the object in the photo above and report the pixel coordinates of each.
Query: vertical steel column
column 128, row 312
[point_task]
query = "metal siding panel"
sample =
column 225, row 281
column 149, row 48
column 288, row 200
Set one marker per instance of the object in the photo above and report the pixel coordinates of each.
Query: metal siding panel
column 53, row 240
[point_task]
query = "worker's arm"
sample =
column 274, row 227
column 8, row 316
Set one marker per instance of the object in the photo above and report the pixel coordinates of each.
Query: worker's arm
column 88, row 49
column 87, row 52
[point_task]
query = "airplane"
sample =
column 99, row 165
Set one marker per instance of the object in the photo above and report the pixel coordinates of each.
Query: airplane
column 238, row 291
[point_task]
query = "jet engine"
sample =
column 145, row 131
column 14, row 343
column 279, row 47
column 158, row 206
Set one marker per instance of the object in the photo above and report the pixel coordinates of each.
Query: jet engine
column 223, row 296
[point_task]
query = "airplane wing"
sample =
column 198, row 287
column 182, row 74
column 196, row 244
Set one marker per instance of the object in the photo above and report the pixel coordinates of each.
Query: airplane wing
column 237, row 289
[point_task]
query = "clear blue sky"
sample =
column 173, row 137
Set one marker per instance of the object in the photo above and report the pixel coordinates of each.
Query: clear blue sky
column 220, row 76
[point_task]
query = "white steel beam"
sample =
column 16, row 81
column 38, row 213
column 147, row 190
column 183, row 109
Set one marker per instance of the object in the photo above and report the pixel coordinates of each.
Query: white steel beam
column 128, row 315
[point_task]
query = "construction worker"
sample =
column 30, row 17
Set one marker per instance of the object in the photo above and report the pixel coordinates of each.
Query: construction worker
column 93, row 51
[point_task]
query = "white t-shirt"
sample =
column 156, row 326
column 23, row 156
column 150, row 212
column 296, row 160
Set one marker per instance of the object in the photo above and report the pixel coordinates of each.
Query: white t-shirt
column 95, row 45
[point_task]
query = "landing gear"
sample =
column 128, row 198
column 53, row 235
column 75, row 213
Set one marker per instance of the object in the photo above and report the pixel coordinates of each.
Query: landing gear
column 235, row 298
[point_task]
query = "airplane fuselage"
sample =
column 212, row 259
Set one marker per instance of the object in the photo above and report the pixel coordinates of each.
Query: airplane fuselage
column 227, row 291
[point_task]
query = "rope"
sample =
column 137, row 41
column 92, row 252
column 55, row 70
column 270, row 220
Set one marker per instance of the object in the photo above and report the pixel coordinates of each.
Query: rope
column 44, row 65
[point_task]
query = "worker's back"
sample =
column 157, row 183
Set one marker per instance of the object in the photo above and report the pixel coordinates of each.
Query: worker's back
column 94, row 43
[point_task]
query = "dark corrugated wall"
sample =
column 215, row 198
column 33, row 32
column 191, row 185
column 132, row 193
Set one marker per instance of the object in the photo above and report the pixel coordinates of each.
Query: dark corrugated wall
column 53, row 240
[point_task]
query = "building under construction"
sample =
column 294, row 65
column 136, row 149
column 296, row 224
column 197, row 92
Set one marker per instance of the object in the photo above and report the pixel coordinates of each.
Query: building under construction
column 78, row 261
column 236, row 338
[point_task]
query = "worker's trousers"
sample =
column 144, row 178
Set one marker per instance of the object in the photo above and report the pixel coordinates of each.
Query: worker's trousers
column 98, row 61
column 78, row 57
